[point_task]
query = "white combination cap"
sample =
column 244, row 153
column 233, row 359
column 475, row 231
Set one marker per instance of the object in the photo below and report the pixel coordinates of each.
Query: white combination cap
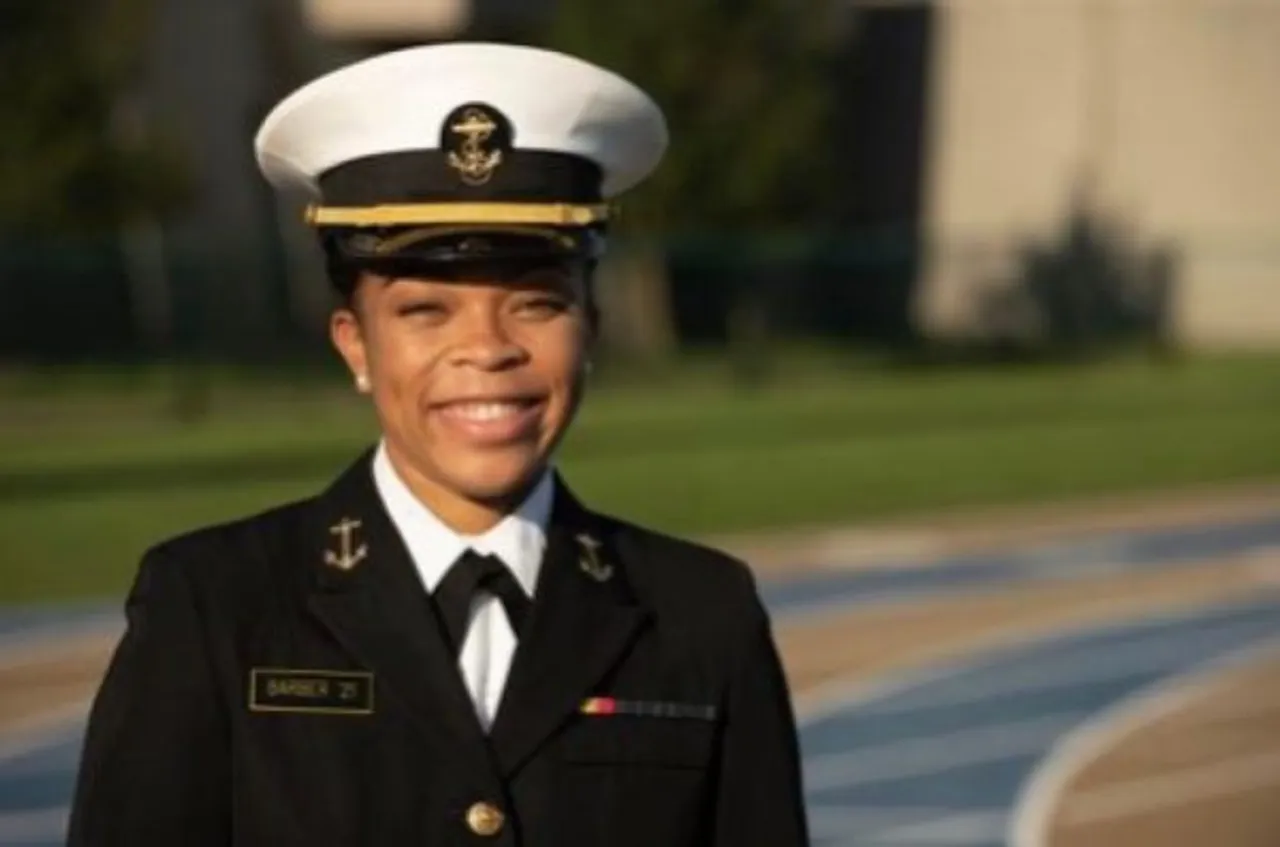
column 462, row 137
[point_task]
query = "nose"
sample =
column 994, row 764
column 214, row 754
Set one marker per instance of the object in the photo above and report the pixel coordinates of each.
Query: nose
column 486, row 344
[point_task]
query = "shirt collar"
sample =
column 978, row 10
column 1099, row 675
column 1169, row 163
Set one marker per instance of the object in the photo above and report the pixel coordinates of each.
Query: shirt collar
column 519, row 539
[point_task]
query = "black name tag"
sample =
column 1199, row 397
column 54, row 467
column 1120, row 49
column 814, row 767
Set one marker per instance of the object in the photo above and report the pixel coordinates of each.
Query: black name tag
column 324, row 692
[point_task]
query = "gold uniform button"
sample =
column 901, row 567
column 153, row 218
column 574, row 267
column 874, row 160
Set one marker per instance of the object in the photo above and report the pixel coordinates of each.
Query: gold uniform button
column 485, row 819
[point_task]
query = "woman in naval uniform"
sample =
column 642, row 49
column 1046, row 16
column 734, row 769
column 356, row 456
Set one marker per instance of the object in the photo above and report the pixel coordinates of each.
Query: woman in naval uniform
column 445, row 647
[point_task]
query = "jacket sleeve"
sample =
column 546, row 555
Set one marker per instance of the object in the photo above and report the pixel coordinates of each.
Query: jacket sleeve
column 154, row 767
column 760, row 800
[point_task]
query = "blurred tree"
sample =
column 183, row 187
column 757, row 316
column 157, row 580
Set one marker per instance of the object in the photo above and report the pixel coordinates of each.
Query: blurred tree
column 75, row 152
column 746, row 88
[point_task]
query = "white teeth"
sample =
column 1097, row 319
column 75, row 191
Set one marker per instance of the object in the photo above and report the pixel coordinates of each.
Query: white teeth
column 484, row 411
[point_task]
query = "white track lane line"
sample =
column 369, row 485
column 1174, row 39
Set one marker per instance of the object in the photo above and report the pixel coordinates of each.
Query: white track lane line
column 1033, row 810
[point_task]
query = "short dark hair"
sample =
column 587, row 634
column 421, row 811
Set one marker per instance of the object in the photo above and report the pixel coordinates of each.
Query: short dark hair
column 344, row 277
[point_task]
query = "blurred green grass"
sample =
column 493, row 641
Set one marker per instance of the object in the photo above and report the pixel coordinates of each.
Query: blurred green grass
column 93, row 469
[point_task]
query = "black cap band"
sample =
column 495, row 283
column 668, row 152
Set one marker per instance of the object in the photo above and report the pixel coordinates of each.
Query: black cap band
column 424, row 176
column 476, row 162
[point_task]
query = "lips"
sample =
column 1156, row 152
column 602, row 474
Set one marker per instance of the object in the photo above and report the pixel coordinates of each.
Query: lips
column 487, row 421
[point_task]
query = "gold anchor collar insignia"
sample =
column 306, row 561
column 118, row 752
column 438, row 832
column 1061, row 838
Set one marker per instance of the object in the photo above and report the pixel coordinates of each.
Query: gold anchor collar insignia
column 475, row 136
column 589, row 561
column 347, row 556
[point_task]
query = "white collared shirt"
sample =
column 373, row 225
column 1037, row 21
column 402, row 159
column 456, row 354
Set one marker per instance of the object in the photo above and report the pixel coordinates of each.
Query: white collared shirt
column 519, row 539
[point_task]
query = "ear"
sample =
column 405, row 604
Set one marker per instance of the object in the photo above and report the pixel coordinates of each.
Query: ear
column 348, row 338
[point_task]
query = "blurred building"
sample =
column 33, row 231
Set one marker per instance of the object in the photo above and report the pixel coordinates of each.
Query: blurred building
column 1143, row 130
column 383, row 23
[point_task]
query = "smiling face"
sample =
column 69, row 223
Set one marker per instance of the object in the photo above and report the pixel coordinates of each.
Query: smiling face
column 475, row 375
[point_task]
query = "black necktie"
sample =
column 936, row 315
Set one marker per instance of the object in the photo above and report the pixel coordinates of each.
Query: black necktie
column 471, row 573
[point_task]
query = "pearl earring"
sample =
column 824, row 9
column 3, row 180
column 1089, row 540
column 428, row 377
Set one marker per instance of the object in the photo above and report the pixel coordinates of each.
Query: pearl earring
column 362, row 383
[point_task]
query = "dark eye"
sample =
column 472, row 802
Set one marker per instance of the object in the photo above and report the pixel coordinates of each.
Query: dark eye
column 430, row 309
column 544, row 306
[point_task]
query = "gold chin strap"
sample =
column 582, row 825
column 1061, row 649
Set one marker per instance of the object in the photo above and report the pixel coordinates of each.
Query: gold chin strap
column 546, row 214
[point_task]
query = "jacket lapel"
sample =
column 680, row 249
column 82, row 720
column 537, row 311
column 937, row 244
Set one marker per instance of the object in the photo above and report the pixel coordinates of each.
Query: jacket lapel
column 378, row 609
column 583, row 620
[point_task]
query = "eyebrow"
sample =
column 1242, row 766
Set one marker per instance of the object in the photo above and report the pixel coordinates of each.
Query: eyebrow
column 550, row 276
